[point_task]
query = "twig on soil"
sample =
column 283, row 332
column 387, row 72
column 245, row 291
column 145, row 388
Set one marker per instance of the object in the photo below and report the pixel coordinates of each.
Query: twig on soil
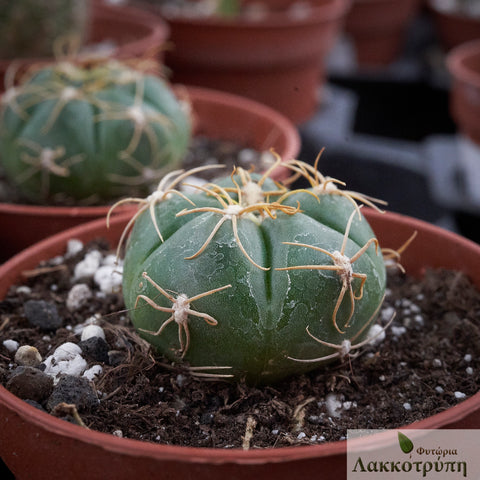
column 251, row 424
column 68, row 409
column 299, row 414
column 43, row 270
column 4, row 323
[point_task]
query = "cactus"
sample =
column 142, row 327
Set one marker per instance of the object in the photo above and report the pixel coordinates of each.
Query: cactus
column 250, row 280
column 90, row 132
column 198, row 8
column 227, row 8
column 29, row 28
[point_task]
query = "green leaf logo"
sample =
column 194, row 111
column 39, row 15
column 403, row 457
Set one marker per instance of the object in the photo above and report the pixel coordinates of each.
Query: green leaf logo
column 405, row 443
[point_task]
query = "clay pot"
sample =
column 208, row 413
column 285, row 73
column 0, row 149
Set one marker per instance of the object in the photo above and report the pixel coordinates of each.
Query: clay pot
column 378, row 29
column 121, row 32
column 217, row 115
column 277, row 60
column 34, row 444
column 453, row 28
column 463, row 63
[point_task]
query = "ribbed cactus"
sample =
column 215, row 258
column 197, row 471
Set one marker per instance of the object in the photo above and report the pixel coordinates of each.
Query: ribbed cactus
column 251, row 280
column 90, row 132
column 30, row 28
column 197, row 8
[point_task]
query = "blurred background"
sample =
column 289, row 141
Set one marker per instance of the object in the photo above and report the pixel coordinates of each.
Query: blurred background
column 388, row 127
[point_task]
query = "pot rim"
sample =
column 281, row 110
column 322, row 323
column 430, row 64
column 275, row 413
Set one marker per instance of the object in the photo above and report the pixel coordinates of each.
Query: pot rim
column 331, row 10
column 218, row 98
column 137, row 448
column 456, row 62
column 455, row 14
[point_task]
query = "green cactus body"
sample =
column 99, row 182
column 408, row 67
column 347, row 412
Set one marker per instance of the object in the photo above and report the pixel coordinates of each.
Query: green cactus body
column 98, row 132
column 29, row 28
column 228, row 8
column 261, row 310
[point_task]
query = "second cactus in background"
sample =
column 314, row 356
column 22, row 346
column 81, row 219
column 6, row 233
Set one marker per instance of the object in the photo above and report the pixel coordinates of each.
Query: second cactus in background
column 90, row 132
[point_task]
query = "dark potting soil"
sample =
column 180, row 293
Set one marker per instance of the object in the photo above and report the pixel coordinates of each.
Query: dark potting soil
column 428, row 361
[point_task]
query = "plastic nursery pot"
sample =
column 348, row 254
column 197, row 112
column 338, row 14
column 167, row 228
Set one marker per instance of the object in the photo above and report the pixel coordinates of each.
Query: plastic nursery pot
column 463, row 63
column 453, row 28
column 34, row 444
column 118, row 31
column 277, row 59
column 217, row 115
column 378, row 28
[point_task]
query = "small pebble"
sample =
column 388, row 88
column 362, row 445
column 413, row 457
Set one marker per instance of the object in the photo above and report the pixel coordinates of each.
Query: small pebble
column 419, row 320
column 24, row 289
column 92, row 331
column 115, row 357
column 459, row 395
column 42, row 314
column 28, row 356
column 398, row 331
column 93, row 372
column 377, row 334
column 467, row 358
column 88, row 266
column 78, row 296
column 67, row 351
column 334, row 405
column 74, row 246
column 437, row 363
column 31, row 383
column 469, row 370
column 387, row 313
column 407, row 406
column 109, row 278
column 73, row 390
column 111, row 260
column 11, row 345
column 73, row 367
column 95, row 348
column 65, row 360
column 181, row 380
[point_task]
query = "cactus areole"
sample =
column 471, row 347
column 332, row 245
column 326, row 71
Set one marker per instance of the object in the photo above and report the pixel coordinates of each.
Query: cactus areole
column 249, row 280
column 90, row 132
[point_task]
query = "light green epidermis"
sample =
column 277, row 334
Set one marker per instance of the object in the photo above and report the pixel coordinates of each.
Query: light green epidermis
column 89, row 129
column 262, row 318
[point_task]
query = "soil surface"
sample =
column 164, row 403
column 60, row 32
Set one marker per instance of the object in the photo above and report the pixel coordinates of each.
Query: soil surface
column 428, row 361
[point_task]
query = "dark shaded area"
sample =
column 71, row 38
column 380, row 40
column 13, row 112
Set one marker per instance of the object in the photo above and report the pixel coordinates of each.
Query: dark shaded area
column 404, row 190
column 401, row 110
column 5, row 473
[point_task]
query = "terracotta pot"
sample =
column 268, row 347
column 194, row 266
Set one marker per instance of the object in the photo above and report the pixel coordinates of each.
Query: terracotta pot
column 378, row 29
column 122, row 32
column 217, row 115
column 36, row 445
column 277, row 60
column 463, row 63
column 453, row 28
